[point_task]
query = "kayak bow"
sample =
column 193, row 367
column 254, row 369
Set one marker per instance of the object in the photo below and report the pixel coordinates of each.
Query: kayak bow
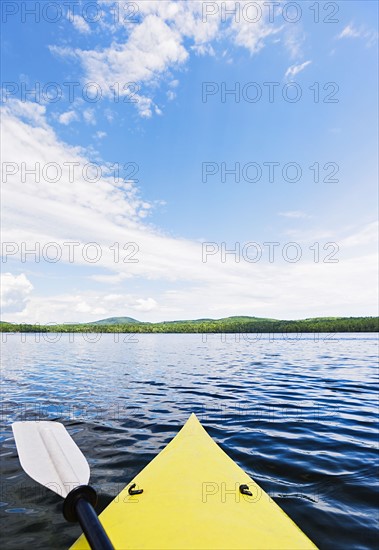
column 195, row 497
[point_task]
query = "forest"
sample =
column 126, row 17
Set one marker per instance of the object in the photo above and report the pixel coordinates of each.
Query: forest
column 226, row 325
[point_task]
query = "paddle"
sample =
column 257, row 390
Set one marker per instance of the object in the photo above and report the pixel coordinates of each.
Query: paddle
column 49, row 455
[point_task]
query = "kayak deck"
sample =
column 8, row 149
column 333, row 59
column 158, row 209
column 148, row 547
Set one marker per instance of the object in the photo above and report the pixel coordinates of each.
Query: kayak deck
column 192, row 500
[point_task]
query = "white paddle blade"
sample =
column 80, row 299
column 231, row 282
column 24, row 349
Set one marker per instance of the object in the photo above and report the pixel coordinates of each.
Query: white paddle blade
column 49, row 456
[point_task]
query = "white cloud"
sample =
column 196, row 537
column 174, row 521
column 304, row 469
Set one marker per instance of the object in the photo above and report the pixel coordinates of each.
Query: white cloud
column 351, row 31
column 79, row 23
column 109, row 115
column 296, row 69
column 110, row 279
column 29, row 111
column 89, row 116
column 67, row 117
column 294, row 214
column 279, row 291
column 15, row 290
column 147, row 51
column 368, row 235
column 100, row 134
column 145, row 304
column 251, row 36
column 82, row 306
column 152, row 47
column 203, row 49
column 293, row 41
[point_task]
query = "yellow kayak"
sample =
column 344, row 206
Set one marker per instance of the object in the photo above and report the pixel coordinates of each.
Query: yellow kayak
column 196, row 497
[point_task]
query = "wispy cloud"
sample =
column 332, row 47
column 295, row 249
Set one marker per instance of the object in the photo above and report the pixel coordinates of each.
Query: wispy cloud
column 349, row 32
column 162, row 41
column 67, row 117
column 295, row 214
column 296, row 69
column 89, row 116
column 352, row 31
column 100, row 134
column 178, row 281
column 79, row 23
column 293, row 41
column 367, row 235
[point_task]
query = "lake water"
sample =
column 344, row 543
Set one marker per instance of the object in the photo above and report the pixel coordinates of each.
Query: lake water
column 297, row 413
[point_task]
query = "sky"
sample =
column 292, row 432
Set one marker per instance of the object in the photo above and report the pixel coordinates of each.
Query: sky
column 181, row 160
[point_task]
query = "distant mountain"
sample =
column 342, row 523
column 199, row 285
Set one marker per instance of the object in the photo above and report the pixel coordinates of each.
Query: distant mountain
column 223, row 319
column 247, row 318
column 127, row 320
column 185, row 321
column 115, row 321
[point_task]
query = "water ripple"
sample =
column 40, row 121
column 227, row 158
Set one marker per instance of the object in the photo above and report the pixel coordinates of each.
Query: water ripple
column 299, row 416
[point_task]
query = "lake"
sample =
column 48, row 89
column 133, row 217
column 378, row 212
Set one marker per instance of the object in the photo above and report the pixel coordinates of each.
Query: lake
column 297, row 412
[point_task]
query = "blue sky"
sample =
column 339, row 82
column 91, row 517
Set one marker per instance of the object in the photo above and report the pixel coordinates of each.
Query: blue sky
column 176, row 215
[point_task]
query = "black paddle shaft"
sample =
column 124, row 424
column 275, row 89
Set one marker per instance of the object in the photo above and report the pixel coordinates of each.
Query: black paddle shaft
column 79, row 506
column 93, row 530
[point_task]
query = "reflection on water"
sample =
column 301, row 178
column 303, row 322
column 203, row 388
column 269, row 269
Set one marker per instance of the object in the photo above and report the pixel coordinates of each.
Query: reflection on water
column 297, row 413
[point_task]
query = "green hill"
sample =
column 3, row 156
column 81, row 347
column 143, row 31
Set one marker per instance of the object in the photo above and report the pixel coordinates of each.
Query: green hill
column 115, row 321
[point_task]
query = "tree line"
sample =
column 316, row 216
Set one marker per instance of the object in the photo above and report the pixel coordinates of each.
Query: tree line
column 229, row 325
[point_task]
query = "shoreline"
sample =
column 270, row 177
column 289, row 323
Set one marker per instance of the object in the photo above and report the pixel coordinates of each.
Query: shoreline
column 232, row 325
